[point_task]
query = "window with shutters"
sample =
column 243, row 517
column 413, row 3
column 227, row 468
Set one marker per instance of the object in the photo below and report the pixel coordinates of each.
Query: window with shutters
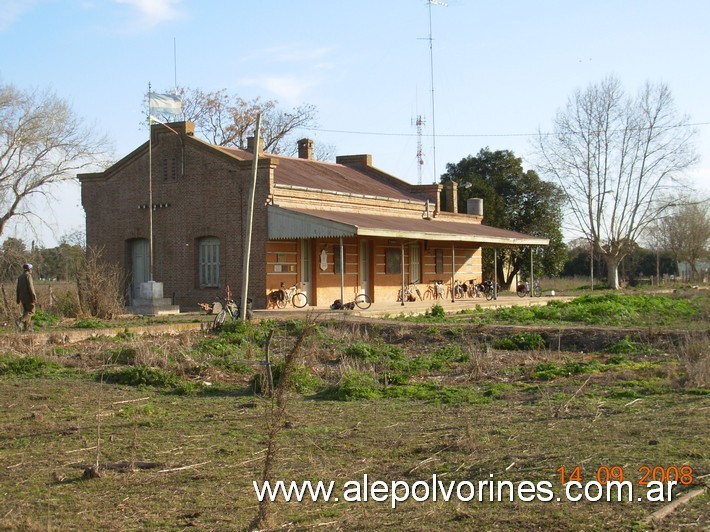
column 209, row 262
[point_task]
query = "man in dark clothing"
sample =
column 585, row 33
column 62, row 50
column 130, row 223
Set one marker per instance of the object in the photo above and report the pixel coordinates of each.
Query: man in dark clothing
column 27, row 296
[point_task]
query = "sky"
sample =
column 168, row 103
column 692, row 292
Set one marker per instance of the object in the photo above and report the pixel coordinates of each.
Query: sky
column 501, row 70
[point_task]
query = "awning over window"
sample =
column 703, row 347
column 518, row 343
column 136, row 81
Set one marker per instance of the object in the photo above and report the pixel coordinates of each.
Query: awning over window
column 303, row 223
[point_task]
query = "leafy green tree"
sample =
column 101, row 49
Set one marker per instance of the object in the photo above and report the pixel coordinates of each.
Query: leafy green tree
column 513, row 199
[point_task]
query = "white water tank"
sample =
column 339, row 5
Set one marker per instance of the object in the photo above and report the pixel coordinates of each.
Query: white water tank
column 474, row 206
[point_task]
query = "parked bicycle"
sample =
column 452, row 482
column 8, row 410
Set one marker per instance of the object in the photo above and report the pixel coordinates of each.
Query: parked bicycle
column 291, row 295
column 459, row 289
column 361, row 301
column 523, row 289
column 229, row 309
column 472, row 289
column 434, row 290
column 411, row 292
column 487, row 289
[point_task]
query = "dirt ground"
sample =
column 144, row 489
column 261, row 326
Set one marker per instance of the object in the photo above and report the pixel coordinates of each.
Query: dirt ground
column 174, row 458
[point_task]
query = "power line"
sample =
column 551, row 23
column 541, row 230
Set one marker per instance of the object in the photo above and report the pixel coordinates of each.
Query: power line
column 464, row 135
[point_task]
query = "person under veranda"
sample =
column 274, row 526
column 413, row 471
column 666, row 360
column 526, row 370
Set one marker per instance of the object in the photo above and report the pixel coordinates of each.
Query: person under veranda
column 27, row 297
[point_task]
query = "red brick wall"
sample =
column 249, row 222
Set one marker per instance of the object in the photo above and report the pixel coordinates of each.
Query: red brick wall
column 208, row 198
column 204, row 192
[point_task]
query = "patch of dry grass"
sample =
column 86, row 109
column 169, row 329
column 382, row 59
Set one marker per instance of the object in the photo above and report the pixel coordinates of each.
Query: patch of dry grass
column 211, row 444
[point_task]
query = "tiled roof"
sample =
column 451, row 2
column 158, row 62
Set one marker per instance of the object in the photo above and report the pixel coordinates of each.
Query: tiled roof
column 321, row 175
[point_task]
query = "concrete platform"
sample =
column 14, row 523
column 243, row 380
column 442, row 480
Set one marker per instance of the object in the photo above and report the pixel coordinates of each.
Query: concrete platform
column 413, row 308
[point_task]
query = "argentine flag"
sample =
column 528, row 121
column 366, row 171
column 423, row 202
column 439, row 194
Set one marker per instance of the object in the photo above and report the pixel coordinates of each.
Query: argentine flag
column 165, row 104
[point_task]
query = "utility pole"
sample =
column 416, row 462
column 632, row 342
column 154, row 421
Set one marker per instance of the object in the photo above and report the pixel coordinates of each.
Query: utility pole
column 250, row 222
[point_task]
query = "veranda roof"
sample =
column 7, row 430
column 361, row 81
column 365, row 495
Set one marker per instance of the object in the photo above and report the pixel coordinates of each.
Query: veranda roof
column 290, row 223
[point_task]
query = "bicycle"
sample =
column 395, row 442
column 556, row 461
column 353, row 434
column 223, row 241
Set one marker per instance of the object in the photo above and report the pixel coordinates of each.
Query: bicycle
column 434, row 290
column 523, row 289
column 361, row 301
column 472, row 290
column 409, row 292
column 229, row 308
column 486, row 287
column 293, row 295
column 459, row 289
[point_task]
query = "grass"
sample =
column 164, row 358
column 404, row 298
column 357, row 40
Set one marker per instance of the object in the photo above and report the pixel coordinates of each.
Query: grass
column 606, row 310
column 393, row 400
column 48, row 435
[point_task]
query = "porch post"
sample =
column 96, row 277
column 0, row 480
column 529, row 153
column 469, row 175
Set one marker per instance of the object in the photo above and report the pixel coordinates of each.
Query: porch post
column 495, row 273
column 453, row 272
column 342, row 273
column 402, row 268
column 532, row 280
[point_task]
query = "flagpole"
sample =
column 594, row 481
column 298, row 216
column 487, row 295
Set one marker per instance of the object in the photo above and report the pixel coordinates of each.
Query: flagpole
column 150, row 190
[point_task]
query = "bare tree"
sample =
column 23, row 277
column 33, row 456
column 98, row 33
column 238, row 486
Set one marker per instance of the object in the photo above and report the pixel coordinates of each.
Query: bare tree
column 225, row 119
column 615, row 156
column 685, row 233
column 100, row 286
column 42, row 143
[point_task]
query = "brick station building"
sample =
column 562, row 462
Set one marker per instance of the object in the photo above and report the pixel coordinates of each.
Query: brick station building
column 304, row 211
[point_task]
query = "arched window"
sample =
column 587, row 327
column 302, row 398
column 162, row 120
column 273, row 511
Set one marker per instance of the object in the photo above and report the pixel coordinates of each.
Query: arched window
column 209, row 262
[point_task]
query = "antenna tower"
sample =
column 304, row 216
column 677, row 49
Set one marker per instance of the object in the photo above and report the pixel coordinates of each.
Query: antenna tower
column 419, row 122
column 431, row 63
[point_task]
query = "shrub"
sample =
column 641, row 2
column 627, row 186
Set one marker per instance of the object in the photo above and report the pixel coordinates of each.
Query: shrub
column 694, row 355
column 390, row 356
column 28, row 366
column 141, row 375
column 121, row 355
column 520, row 342
column 100, row 286
column 439, row 359
column 548, row 371
column 42, row 318
column 90, row 323
column 627, row 347
column 353, row 385
column 67, row 305
column 434, row 392
column 436, row 312
column 301, row 379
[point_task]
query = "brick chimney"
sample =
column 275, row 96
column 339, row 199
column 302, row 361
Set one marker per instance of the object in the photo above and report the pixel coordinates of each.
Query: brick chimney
column 250, row 145
column 354, row 160
column 171, row 128
column 305, row 149
column 451, row 196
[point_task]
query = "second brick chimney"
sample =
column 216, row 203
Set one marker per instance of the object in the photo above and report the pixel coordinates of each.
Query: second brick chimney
column 305, row 149
column 250, row 145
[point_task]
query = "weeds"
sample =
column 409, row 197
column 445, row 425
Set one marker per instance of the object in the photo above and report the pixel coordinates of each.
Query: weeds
column 694, row 355
column 275, row 419
column 522, row 341
column 90, row 323
column 26, row 366
column 609, row 309
column 141, row 376
column 42, row 318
